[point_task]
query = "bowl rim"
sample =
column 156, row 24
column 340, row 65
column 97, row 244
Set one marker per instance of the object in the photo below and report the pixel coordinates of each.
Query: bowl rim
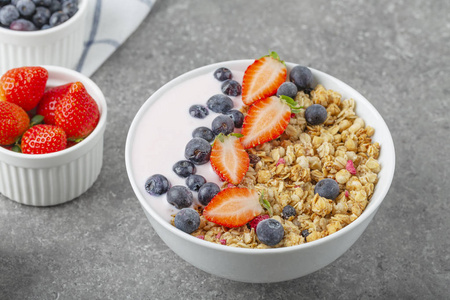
column 82, row 6
column 369, row 210
column 101, row 102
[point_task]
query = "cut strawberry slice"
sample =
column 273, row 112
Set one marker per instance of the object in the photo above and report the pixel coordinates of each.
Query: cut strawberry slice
column 229, row 159
column 262, row 78
column 233, row 207
column 266, row 120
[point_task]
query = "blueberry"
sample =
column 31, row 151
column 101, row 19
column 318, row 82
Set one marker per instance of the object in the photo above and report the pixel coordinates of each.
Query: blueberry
column 222, row 74
column 222, row 124
column 41, row 17
column 198, row 111
column 57, row 18
column 237, row 117
column 184, row 168
column 220, row 103
column 26, row 7
column 204, row 133
column 55, row 6
column 302, row 77
column 180, row 196
column 70, row 7
column 187, row 220
column 207, row 192
column 270, row 232
column 327, row 188
column 198, row 151
column 4, row 2
column 8, row 14
column 288, row 211
column 195, row 182
column 315, row 114
column 22, row 25
column 157, row 185
column 42, row 2
column 287, row 89
column 231, row 87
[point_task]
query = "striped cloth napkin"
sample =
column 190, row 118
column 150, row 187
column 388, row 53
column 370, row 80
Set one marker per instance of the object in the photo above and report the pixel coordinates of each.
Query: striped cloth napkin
column 111, row 22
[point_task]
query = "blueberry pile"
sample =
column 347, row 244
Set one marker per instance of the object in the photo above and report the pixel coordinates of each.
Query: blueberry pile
column 197, row 152
column 31, row 15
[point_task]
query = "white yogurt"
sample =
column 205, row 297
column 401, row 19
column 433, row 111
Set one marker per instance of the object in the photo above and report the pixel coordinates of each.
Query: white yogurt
column 165, row 129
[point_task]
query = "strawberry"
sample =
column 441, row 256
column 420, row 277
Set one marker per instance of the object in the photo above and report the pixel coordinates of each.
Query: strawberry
column 43, row 138
column 233, row 207
column 23, row 86
column 266, row 120
column 47, row 106
column 77, row 112
column 229, row 159
column 262, row 78
column 14, row 121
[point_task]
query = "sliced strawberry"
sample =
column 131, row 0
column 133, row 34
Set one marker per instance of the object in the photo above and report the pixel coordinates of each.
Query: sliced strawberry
column 229, row 159
column 233, row 207
column 262, row 78
column 43, row 138
column 266, row 120
column 47, row 105
column 23, row 86
column 14, row 121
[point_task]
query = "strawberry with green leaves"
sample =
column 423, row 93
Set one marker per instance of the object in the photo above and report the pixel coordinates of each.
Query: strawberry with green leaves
column 229, row 159
column 47, row 106
column 77, row 112
column 23, row 86
column 262, row 78
column 42, row 139
column 14, row 121
column 233, row 207
column 267, row 119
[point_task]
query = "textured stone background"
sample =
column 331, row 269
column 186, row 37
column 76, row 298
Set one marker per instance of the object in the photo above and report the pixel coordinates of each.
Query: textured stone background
column 396, row 53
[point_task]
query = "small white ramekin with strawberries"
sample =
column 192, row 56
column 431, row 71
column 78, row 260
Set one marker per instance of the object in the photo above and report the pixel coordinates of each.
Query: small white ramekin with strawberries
column 52, row 123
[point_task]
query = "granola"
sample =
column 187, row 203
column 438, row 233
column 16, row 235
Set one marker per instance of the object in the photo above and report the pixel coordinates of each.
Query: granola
column 286, row 170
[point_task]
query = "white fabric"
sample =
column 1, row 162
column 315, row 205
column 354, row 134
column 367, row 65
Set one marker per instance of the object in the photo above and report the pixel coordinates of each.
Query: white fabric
column 111, row 22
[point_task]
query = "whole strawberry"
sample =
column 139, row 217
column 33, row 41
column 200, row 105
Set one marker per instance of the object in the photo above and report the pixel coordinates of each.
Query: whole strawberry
column 23, row 86
column 77, row 112
column 43, row 138
column 47, row 106
column 14, row 121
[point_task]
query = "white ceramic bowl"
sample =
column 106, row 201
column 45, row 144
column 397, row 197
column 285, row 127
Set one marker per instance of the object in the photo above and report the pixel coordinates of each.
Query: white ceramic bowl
column 264, row 265
column 59, row 46
column 58, row 177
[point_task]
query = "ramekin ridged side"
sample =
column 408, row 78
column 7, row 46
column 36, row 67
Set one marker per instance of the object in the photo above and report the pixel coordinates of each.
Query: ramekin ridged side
column 60, row 46
column 55, row 185
column 58, row 177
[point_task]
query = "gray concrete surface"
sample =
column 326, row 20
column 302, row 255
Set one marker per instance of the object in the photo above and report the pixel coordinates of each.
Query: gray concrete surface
column 396, row 53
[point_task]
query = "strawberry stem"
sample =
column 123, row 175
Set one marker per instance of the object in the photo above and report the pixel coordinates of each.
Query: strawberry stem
column 291, row 103
column 274, row 55
column 37, row 119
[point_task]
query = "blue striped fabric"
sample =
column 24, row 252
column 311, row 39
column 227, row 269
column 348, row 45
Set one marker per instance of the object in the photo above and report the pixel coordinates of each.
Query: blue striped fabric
column 111, row 22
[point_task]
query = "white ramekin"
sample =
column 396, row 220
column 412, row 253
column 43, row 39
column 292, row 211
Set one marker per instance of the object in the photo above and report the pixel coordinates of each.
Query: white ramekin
column 55, row 178
column 266, row 265
column 59, row 46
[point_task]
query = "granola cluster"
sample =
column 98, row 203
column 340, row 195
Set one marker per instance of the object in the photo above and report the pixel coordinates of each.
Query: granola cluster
column 286, row 170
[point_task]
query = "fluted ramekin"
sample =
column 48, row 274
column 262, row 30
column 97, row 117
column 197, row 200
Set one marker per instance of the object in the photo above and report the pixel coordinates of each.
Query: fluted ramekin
column 61, row 45
column 55, row 178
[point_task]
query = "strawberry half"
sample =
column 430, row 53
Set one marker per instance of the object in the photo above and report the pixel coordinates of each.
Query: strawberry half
column 233, row 207
column 77, row 113
column 23, row 86
column 229, row 159
column 43, row 138
column 262, row 78
column 51, row 97
column 14, row 121
column 266, row 120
